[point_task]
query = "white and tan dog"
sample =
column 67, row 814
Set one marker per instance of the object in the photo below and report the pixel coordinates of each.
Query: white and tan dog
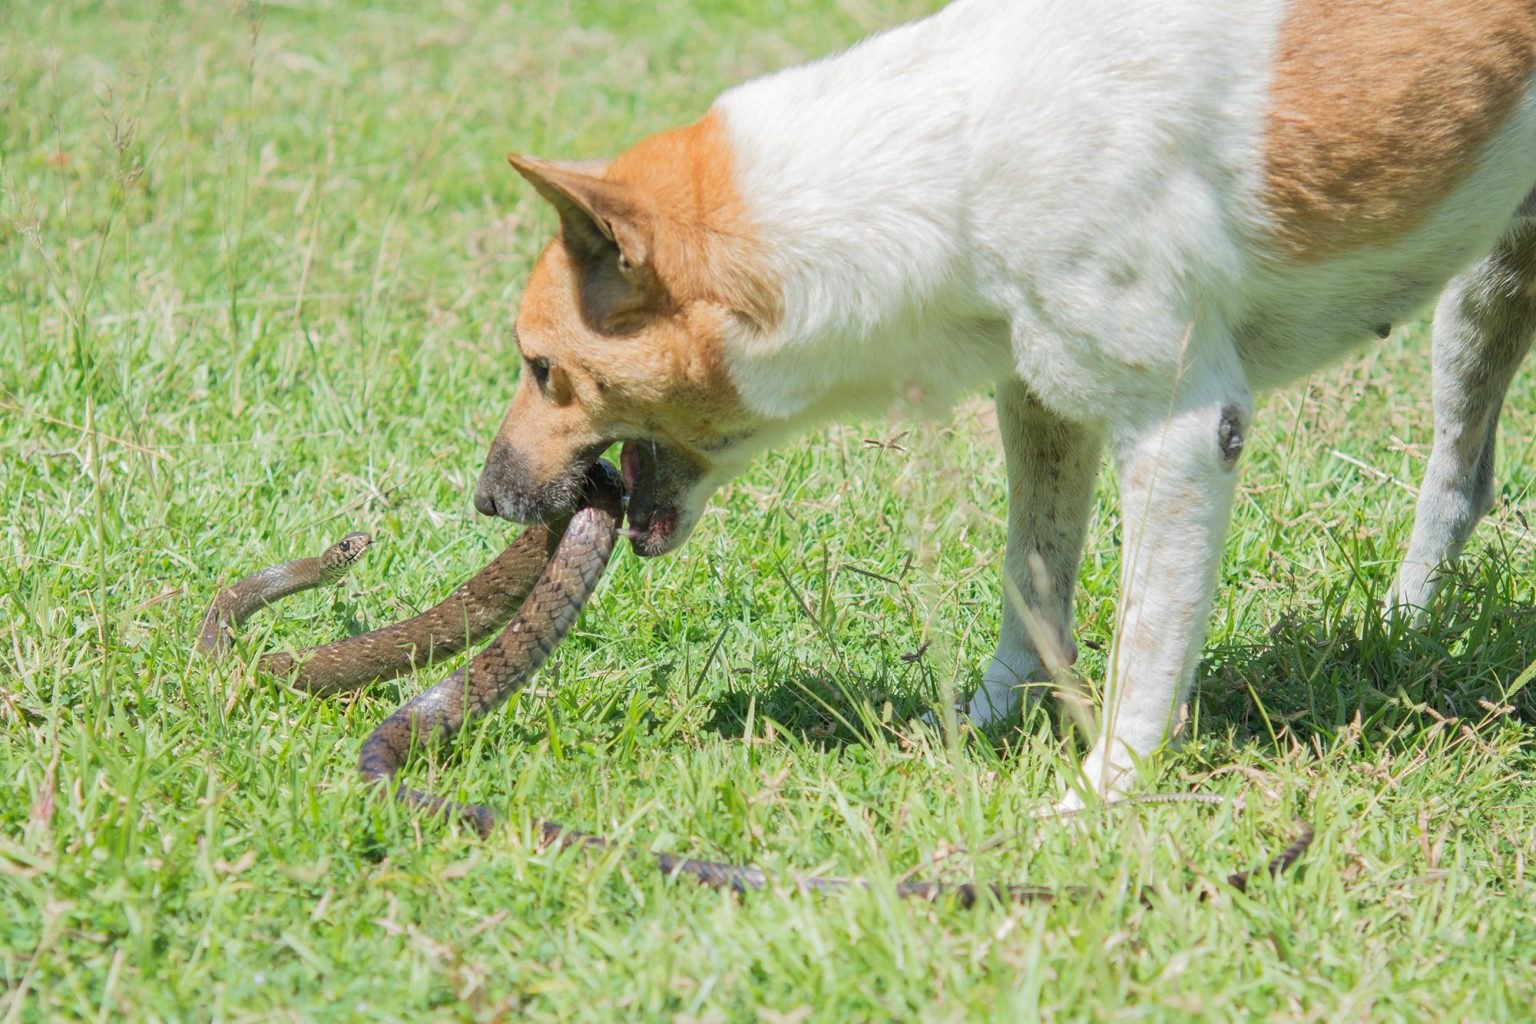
column 1125, row 216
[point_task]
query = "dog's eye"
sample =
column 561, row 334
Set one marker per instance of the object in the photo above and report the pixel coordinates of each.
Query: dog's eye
column 540, row 369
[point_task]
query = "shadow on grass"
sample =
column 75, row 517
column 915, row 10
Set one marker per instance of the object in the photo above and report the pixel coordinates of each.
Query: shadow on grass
column 1312, row 675
column 820, row 710
column 1308, row 678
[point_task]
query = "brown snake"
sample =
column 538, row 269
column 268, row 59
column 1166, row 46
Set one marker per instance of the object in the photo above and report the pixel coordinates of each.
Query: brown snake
column 545, row 577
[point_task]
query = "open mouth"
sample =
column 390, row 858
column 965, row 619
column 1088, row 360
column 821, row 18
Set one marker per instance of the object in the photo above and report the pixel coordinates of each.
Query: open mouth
column 660, row 478
column 656, row 476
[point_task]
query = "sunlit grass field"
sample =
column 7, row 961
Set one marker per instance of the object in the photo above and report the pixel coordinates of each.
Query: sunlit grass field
column 258, row 265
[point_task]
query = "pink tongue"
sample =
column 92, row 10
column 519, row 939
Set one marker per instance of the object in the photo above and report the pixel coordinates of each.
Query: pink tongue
column 629, row 465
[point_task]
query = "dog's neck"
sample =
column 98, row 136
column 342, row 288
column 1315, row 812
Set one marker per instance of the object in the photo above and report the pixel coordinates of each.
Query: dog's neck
column 848, row 169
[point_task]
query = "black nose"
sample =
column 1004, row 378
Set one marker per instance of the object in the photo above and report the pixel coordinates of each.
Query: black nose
column 485, row 501
column 503, row 487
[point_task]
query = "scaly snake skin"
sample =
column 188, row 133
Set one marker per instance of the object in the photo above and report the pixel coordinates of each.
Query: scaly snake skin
column 545, row 577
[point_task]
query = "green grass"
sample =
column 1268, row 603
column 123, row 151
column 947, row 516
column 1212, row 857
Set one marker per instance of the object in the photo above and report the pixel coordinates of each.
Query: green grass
column 257, row 270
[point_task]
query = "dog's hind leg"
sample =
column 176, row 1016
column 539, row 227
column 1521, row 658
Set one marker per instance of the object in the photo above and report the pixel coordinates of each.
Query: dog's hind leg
column 1483, row 326
column 1052, row 467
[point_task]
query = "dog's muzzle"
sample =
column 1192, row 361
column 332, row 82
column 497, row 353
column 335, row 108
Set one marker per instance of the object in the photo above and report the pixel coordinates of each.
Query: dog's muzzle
column 507, row 488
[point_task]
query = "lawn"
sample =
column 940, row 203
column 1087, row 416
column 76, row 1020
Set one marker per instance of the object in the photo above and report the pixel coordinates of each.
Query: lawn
column 258, row 265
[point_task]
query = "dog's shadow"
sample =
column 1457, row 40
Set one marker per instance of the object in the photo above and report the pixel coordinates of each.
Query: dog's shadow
column 1310, row 678
column 1307, row 679
column 818, row 709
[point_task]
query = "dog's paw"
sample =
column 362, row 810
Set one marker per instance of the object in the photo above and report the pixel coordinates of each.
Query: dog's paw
column 1103, row 776
column 1006, row 687
column 1412, row 593
column 999, row 700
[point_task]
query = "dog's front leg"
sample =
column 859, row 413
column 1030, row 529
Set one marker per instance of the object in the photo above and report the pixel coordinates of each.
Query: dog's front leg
column 1177, row 470
column 1052, row 465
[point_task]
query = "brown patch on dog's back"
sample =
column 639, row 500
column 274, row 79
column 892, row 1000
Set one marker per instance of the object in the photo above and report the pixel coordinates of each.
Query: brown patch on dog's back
column 1379, row 108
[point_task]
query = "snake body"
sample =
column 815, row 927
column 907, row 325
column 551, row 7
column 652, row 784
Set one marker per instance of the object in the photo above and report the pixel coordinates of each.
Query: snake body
column 553, row 600
column 541, row 580
column 467, row 616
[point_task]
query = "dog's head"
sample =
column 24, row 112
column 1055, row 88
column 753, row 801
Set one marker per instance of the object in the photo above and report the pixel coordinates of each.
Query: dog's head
column 624, row 336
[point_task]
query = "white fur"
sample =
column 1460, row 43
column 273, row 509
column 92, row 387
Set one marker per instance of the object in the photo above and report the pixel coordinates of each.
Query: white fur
column 1060, row 199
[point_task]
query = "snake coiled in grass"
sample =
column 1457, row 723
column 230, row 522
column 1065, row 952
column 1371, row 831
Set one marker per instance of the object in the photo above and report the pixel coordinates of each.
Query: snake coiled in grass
column 541, row 582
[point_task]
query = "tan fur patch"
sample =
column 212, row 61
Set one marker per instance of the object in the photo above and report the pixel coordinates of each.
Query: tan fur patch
column 1379, row 109
column 708, row 248
column 648, row 362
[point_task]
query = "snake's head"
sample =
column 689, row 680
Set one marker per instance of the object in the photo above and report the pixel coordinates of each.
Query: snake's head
column 336, row 560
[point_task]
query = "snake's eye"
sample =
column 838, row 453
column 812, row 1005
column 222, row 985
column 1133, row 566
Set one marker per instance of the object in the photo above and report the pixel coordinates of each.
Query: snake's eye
column 539, row 367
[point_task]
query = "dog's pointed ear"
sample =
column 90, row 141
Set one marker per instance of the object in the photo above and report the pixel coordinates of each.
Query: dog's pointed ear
column 600, row 221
